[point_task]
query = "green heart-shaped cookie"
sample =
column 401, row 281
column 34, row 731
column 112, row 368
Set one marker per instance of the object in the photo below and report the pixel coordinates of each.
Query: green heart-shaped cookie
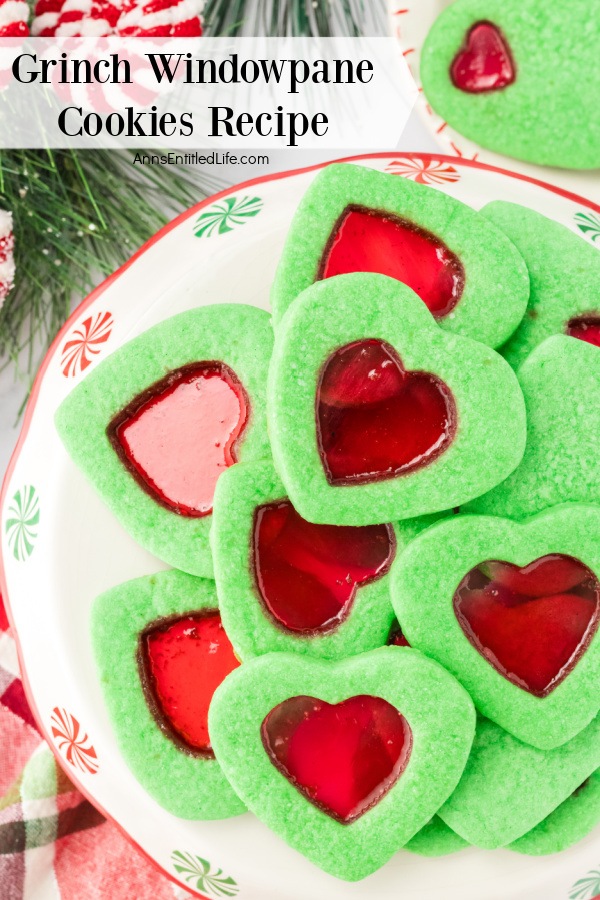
column 508, row 787
column 559, row 380
column 232, row 339
column 480, row 442
column 436, row 839
column 185, row 783
column 491, row 284
column 548, row 51
column 311, row 564
column 440, row 719
column 457, row 602
column 564, row 270
column 254, row 628
column 568, row 824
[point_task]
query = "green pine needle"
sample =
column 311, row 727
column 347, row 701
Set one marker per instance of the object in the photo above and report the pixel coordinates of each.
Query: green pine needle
column 295, row 18
column 77, row 216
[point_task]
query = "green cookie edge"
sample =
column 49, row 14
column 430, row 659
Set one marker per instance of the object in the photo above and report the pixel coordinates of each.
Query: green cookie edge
column 423, row 584
column 195, row 788
column 564, row 272
column 340, row 310
column 350, row 852
column 250, row 628
column 238, row 335
column 520, row 784
column 496, row 283
column 560, row 463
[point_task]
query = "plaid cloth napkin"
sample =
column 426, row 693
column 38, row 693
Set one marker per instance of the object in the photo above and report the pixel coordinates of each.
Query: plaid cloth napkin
column 54, row 845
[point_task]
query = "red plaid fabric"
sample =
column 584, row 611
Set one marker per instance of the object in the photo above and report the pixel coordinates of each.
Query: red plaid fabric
column 54, row 845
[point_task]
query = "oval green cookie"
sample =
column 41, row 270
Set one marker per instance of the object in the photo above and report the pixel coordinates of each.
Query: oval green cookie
column 440, row 715
column 496, row 283
column 426, row 577
column 549, row 114
column 508, row 787
column 490, row 430
column 238, row 336
column 560, row 382
column 188, row 786
column 564, row 271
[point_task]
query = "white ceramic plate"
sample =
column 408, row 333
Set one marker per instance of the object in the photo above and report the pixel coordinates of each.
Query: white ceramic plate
column 61, row 548
column 411, row 21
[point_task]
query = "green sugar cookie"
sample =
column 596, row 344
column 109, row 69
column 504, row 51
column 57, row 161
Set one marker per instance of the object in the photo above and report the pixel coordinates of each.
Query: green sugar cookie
column 376, row 414
column 565, row 279
column 504, row 73
column 407, row 529
column 355, row 219
column 568, row 824
column 573, row 820
column 511, row 610
column 508, row 787
column 165, row 629
column 285, row 584
column 155, row 423
column 436, row 839
column 346, row 761
column 560, row 382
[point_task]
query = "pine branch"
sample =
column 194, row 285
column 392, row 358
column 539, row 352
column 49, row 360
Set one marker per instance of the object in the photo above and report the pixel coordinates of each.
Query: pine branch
column 77, row 217
column 288, row 18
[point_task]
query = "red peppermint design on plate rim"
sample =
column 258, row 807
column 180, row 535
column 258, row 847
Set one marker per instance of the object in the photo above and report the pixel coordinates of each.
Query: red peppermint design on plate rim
column 85, row 343
column 424, row 171
column 72, row 741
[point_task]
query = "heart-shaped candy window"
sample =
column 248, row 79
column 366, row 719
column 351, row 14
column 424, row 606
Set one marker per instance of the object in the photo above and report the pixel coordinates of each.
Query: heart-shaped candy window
column 180, row 434
column 484, row 63
column 534, row 623
column 182, row 662
column 307, row 575
column 370, row 240
column 377, row 421
column 342, row 757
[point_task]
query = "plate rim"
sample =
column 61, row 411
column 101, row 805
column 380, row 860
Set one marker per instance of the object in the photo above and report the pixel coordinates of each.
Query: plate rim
column 94, row 295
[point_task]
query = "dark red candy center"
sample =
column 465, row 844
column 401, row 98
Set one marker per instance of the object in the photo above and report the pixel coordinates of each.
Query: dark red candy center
column 375, row 420
column 396, row 637
column 585, row 328
column 183, row 661
column 367, row 240
column 307, row 575
column 484, row 63
column 179, row 435
column 533, row 623
column 342, row 757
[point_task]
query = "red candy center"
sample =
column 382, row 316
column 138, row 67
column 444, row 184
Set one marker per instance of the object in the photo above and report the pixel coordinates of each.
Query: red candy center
column 179, row 435
column 182, row 664
column 375, row 420
column 366, row 240
column 485, row 62
column 307, row 575
column 585, row 328
column 533, row 623
column 344, row 757
column 396, row 637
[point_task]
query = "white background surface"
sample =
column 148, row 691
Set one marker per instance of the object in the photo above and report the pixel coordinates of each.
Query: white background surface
column 12, row 392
